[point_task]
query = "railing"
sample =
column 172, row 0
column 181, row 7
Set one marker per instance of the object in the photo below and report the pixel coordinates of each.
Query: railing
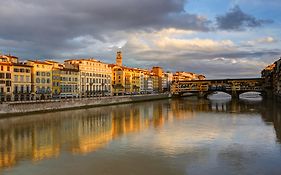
column 81, row 99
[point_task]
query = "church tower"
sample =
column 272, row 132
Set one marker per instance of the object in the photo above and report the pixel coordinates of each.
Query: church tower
column 119, row 58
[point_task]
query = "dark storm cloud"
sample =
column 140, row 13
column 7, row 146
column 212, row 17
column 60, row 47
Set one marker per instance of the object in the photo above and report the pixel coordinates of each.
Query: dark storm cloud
column 50, row 24
column 236, row 19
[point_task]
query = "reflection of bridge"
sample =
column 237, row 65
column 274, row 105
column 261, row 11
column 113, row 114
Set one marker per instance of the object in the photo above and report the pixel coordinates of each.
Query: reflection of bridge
column 233, row 87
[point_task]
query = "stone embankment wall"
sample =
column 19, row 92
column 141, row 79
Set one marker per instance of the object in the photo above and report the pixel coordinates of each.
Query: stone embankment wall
column 63, row 104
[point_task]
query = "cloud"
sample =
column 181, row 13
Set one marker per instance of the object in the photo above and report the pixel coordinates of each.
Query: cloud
column 264, row 40
column 236, row 19
column 52, row 23
column 149, row 32
column 175, row 40
column 214, row 58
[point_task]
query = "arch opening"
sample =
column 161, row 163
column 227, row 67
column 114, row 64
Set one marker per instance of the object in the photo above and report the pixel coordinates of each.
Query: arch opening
column 217, row 95
column 251, row 95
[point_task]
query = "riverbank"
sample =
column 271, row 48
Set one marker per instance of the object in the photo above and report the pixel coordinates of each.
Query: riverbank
column 17, row 108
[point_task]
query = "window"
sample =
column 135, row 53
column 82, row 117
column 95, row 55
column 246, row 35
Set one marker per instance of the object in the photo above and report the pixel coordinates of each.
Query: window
column 22, row 70
column 16, row 70
column 8, row 68
column 48, row 80
column 8, row 76
column 37, row 80
column 2, row 68
column 27, row 70
column 43, row 80
column 38, row 73
column 2, row 82
column 8, row 83
column 48, row 74
column 37, row 89
column 27, row 89
column 15, row 89
column 21, row 88
column 27, row 78
column 21, row 78
column 43, row 73
column 8, row 89
column 2, row 75
column 16, row 77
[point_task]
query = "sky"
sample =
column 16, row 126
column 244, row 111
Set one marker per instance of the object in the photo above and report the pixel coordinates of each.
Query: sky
column 217, row 38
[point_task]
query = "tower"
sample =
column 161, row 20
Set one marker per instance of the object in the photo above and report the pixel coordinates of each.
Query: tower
column 119, row 58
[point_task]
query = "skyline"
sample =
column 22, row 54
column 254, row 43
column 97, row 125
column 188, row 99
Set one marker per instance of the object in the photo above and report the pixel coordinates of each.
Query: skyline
column 220, row 39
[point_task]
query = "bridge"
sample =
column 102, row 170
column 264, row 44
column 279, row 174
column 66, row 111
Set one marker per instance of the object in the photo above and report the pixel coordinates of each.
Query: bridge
column 233, row 87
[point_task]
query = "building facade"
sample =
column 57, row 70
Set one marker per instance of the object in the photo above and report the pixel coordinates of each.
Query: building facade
column 5, row 81
column 95, row 77
column 21, row 82
column 69, row 83
column 41, row 79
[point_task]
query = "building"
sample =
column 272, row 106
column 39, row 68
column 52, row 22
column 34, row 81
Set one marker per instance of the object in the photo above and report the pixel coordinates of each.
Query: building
column 167, row 79
column 69, row 83
column 119, row 58
column 56, row 78
column 187, row 76
column 9, row 59
column 41, row 79
column 267, row 74
column 277, row 77
column 157, row 79
column 272, row 77
column 148, row 83
column 95, row 77
column 5, row 81
column 21, row 82
column 15, row 79
column 125, row 80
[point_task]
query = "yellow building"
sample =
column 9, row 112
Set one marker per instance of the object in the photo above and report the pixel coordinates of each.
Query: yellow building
column 157, row 73
column 56, row 78
column 5, row 81
column 15, row 79
column 69, row 83
column 95, row 77
column 125, row 80
column 41, row 79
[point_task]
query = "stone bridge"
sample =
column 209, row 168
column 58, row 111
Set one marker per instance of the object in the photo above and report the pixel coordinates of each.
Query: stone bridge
column 233, row 87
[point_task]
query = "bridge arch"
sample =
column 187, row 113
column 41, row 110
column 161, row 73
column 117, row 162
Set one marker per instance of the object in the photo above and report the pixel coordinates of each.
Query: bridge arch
column 251, row 94
column 215, row 93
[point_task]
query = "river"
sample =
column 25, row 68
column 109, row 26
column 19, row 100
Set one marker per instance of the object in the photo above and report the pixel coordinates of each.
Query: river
column 173, row 136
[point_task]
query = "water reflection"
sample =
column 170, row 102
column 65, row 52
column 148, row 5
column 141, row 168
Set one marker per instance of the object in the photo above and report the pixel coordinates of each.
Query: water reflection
column 43, row 136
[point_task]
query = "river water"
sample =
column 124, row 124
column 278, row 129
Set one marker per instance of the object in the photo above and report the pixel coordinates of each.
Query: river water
column 174, row 136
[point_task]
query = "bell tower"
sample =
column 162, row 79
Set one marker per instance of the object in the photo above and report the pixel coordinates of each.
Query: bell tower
column 119, row 58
